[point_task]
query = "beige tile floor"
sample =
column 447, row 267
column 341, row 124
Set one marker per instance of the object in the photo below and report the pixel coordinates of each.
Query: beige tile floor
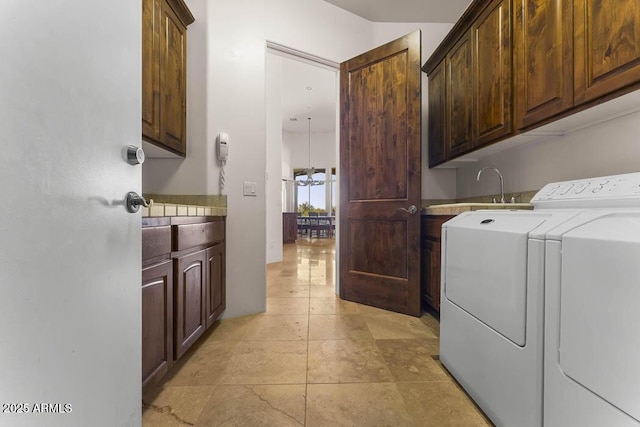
column 312, row 360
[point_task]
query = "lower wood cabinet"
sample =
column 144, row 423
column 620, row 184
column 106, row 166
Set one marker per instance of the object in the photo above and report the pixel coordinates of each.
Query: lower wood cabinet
column 190, row 294
column 183, row 288
column 289, row 227
column 430, row 258
column 215, row 289
column 157, row 322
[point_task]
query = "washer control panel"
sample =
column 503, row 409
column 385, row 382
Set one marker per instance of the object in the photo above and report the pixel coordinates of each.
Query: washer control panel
column 623, row 190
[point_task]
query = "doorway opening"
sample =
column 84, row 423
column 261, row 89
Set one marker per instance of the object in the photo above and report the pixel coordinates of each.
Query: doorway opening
column 302, row 93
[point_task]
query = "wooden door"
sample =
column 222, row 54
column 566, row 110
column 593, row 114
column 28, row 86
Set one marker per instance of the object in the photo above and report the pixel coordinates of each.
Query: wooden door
column 543, row 40
column 607, row 46
column 151, row 36
column 437, row 115
column 215, row 278
column 173, row 82
column 491, row 61
column 157, row 322
column 459, row 97
column 189, row 281
column 380, row 96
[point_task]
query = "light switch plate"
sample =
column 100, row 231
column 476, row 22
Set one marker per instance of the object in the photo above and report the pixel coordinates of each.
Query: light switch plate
column 249, row 189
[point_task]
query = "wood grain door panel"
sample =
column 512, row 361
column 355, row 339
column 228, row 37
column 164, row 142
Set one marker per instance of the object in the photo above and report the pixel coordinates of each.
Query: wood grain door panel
column 459, row 97
column 190, row 297
column 173, row 82
column 151, row 36
column 431, row 264
column 380, row 166
column 386, row 251
column 216, row 289
column 379, row 100
column 543, row 57
column 607, row 46
column 157, row 322
column 492, row 73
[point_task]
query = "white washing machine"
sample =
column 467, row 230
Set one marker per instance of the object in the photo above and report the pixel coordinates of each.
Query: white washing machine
column 592, row 306
column 491, row 312
column 540, row 310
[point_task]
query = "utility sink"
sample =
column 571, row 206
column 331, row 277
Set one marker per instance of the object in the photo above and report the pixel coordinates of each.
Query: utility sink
column 458, row 208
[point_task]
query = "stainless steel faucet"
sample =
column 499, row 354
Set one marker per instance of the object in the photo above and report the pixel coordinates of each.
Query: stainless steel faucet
column 501, row 180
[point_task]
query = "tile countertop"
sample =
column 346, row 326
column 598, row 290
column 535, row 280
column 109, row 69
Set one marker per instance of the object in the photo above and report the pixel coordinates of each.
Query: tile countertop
column 185, row 205
column 458, row 208
column 167, row 209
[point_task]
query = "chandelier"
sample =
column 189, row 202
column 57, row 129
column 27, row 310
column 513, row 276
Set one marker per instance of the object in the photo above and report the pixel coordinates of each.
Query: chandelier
column 310, row 170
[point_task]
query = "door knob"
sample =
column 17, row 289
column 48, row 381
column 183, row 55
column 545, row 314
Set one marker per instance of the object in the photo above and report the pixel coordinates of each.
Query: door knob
column 135, row 155
column 412, row 210
column 134, row 201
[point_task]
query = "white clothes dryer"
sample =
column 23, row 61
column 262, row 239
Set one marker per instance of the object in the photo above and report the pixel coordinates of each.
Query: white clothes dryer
column 491, row 312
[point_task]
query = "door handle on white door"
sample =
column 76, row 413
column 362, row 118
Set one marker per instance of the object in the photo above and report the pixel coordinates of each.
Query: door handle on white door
column 135, row 155
column 412, row 210
column 134, row 201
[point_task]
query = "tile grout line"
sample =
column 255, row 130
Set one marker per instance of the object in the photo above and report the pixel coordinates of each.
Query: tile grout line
column 306, row 374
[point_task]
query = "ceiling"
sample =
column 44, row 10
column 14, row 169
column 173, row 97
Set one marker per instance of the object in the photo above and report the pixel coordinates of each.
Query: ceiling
column 405, row 10
column 308, row 91
column 320, row 101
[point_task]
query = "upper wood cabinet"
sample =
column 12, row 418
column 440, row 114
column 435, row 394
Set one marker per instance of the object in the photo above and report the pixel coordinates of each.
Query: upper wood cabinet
column 607, row 46
column 437, row 116
column 164, row 73
column 492, row 73
column 532, row 62
column 459, row 97
column 543, row 66
column 151, row 35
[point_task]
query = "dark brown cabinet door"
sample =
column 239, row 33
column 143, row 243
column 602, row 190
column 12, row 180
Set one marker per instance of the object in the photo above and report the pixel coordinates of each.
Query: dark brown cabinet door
column 543, row 60
column 431, row 266
column 607, row 46
column 174, row 82
column 437, row 115
column 215, row 291
column 157, row 322
column 459, row 97
column 190, row 294
column 289, row 227
column 430, row 258
column 492, row 69
column 151, row 37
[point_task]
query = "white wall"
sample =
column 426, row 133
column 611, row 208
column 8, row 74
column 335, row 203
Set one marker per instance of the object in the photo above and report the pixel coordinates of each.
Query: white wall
column 273, row 188
column 323, row 153
column 287, row 168
column 604, row 149
column 436, row 183
column 226, row 65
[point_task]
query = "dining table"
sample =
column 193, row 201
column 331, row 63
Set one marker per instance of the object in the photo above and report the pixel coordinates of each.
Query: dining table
column 317, row 223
